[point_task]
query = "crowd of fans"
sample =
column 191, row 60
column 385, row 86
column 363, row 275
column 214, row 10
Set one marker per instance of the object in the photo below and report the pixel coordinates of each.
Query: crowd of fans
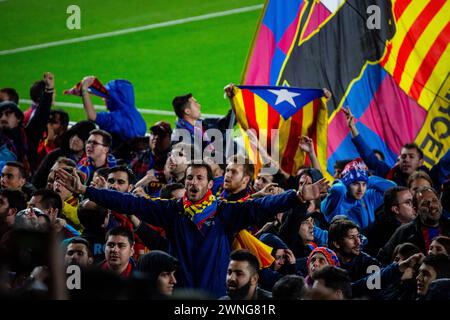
column 139, row 217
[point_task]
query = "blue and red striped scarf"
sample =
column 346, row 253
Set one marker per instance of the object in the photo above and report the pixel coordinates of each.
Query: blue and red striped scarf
column 429, row 233
column 201, row 210
column 87, row 166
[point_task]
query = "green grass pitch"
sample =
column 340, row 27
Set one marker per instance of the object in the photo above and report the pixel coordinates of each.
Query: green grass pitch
column 199, row 57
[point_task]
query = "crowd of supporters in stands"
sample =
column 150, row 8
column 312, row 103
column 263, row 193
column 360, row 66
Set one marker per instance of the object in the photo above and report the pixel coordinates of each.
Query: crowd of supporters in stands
column 143, row 216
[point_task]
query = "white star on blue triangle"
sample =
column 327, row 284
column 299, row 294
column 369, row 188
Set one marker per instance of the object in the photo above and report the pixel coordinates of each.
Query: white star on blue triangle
column 286, row 101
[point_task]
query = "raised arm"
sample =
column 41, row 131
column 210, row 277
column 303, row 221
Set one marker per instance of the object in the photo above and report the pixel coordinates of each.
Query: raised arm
column 306, row 145
column 239, row 215
column 380, row 168
column 380, row 184
column 161, row 213
column 39, row 121
column 86, row 97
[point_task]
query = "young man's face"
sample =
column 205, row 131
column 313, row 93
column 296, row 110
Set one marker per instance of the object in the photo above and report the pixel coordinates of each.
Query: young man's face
column 424, row 278
column 409, row 160
column 350, row 245
column 55, row 123
column 177, row 161
column 95, row 147
column 404, row 209
column 262, row 180
column 166, row 282
column 235, row 180
column 118, row 251
column 76, row 144
column 437, row 248
column 358, row 189
column 194, row 109
column 118, row 181
column 36, row 202
column 197, row 183
column 77, row 254
column 4, row 208
column 159, row 141
column 429, row 208
column 280, row 259
column 305, row 230
column 11, row 178
column 6, row 213
column 8, row 119
column 240, row 279
column 317, row 262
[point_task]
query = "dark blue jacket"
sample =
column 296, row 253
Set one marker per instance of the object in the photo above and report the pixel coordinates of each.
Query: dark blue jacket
column 203, row 254
column 357, row 267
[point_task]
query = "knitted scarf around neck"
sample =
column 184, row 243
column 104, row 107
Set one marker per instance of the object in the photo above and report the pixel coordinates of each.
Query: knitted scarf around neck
column 201, row 210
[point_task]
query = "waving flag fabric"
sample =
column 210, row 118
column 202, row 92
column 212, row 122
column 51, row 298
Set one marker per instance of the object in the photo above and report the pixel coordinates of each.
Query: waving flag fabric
column 387, row 60
column 279, row 116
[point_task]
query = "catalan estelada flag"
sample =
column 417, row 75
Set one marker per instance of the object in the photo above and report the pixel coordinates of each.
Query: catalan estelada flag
column 278, row 117
column 387, row 60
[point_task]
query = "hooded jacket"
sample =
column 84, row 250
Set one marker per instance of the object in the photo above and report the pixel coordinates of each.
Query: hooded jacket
column 361, row 212
column 269, row 276
column 122, row 119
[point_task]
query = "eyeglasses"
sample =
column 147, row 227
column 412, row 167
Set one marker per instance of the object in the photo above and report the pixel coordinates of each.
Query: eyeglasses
column 95, row 143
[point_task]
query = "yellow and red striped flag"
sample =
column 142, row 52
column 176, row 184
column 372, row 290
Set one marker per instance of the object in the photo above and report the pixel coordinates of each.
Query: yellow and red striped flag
column 418, row 59
column 277, row 117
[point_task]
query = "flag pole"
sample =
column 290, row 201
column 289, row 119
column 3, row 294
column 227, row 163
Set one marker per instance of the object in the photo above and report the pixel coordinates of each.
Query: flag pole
column 229, row 140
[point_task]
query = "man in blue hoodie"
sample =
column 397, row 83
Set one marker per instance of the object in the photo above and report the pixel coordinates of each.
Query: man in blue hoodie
column 355, row 195
column 122, row 120
column 199, row 227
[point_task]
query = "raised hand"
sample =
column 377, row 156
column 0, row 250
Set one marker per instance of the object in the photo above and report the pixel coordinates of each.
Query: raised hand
column 349, row 116
column 313, row 191
column 270, row 189
column 411, row 262
column 327, row 93
column 71, row 181
column 139, row 192
column 229, row 91
column 99, row 182
column 350, row 121
column 49, row 80
column 290, row 257
column 306, row 144
column 87, row 82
